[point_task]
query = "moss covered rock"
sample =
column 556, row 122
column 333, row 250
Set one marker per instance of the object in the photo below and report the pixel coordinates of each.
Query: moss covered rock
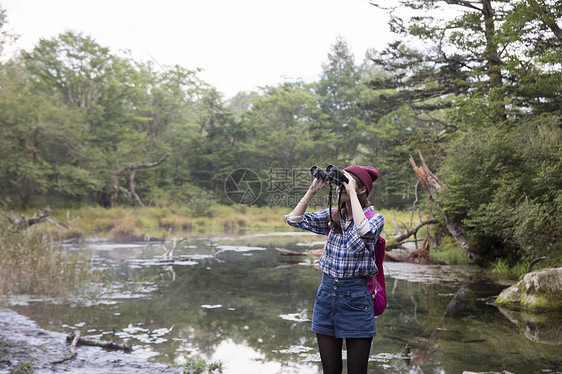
column 539, row 290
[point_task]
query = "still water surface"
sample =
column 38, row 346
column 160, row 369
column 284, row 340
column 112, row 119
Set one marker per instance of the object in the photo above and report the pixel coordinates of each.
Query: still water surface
column 236, row 300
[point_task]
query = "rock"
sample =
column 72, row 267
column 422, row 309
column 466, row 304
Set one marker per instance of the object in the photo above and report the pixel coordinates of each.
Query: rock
column 539, row 290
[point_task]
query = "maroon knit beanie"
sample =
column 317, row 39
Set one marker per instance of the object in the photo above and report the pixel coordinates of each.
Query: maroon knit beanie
column 366, row 174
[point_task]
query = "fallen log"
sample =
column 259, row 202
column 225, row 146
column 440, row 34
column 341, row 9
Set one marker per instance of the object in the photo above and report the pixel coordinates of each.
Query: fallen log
column 390, row 245
column 434, row 188
column 393, row 257
column 99, row 343
column 401, row 236
column 414, row 258
column 72, row 353
column 23, row 222
column 310, row 252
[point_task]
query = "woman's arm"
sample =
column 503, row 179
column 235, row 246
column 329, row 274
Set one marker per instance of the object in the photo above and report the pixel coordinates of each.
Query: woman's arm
column 316, row 222
column 356, row 208
column 316, row 186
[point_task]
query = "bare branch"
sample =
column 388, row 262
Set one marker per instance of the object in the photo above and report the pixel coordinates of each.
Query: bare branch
column 404, row 235
column 148, row 166
column 131, row 179
column 72, row 348
column 464, row 3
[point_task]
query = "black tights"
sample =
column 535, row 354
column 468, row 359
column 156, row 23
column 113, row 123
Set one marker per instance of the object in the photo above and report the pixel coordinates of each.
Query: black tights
column 358, row 350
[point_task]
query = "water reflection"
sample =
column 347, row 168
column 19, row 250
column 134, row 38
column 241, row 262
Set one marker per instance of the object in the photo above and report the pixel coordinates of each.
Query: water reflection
column 545, row 327
column 238, row 301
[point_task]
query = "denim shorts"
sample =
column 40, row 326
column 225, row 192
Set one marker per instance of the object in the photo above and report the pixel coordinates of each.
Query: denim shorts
column 344, row 308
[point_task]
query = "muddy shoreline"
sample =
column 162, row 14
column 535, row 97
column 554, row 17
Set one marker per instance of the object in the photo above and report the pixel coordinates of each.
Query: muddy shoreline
column 23, row 342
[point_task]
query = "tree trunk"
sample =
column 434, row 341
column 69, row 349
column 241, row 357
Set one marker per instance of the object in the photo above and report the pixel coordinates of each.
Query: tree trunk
column 433, row 186
column 115, row 189
column 131, row 178
column 494, row 63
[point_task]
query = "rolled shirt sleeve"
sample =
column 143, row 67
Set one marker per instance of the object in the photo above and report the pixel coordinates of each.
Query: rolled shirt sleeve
column 370, row 228
column 316, row 222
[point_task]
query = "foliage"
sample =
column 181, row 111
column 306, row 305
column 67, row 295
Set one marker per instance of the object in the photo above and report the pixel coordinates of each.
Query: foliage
column 487, row 79
column 450, row 252
column 504, row 187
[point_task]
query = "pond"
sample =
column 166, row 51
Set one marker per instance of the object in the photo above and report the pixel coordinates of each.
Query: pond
column 238, row 301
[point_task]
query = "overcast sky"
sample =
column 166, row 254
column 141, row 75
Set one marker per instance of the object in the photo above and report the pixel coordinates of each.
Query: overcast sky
column 240, row 44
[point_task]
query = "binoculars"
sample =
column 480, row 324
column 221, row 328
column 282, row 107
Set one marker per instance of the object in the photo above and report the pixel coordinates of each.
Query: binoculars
column 331, row 174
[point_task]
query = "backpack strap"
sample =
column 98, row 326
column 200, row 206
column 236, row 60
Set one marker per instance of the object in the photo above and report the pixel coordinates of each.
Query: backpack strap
column 369, row 214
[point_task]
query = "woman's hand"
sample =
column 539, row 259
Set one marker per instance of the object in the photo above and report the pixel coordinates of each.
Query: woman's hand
column 317, row 186
column 351, row 185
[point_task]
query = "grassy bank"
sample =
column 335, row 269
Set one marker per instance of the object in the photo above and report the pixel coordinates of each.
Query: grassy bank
column 130, row 223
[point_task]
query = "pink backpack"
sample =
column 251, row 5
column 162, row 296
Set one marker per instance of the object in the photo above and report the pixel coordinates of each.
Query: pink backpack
column 378, row 293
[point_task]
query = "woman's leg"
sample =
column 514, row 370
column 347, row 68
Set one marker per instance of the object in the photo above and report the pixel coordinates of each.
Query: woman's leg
column 330, row 352
column 358, row 352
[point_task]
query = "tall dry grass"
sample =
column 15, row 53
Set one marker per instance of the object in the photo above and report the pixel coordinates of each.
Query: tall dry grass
column 137, row 224
column 31, row 263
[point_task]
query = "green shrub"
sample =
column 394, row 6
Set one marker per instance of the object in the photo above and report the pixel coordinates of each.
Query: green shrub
column 198, row 365
column 502, row 270
column 505, row 187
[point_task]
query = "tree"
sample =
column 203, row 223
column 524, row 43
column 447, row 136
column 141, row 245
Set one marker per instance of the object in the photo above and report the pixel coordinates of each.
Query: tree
column 279, row 127
column 491, row 79
column 109, row 94
column 338, row 90
column 494, row 53
column 44, row 145
column 6, row 36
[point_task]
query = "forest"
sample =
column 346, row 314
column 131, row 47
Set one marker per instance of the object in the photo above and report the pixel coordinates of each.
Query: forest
column 479, row 96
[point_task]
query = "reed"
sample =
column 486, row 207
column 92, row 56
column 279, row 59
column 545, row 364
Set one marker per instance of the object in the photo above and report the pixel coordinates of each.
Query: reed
column 32, row 263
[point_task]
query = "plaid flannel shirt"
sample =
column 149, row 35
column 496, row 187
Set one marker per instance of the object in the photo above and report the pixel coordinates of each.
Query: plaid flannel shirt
column 345, row 254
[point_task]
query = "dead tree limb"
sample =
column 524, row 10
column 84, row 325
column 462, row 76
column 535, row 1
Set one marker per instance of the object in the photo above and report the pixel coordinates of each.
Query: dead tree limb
column 64, row 225
column 421, row 256
column 401, row 236
column 133, row 168
column 433, row 186
column 169, row 252
column 23, row 222
column 99, row 343
column 414, row 203
column 534, row 261
column 72, row 353
column 395, row 222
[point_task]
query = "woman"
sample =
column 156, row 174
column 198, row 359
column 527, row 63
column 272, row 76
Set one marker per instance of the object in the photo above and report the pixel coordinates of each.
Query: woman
column 343, row 306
